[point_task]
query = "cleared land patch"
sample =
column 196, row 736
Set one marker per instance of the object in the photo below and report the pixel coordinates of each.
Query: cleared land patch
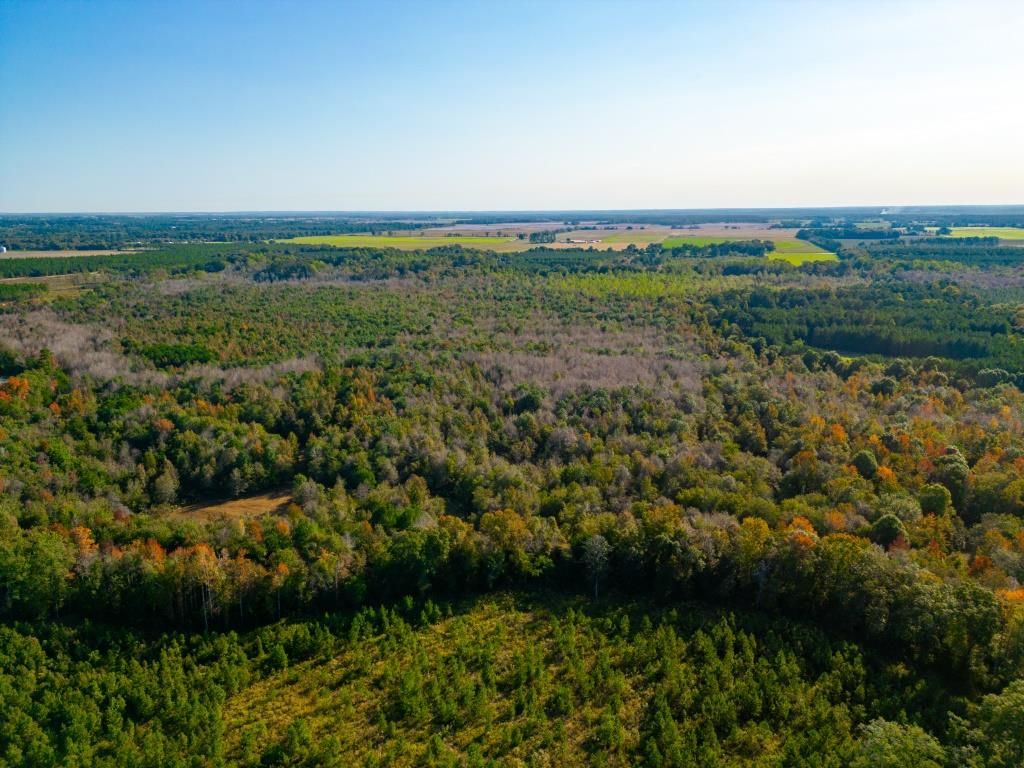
column 612, row 237
column 799, row 257
column 798, row 251
column 59, row 286
column 785, row 239
column 634, row 236
column 787, row 247
column 234, row 509
column 1003, row 233
column 697, row 240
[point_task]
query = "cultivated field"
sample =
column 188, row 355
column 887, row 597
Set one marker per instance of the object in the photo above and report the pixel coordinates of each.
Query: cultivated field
column 415, row 242
column 617, row 238
column 1003, row 233
column 787, row 246
column 698, row 240
column 799, row 257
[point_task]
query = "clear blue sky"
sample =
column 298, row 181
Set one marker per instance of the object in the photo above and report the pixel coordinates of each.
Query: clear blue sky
column 220, row 106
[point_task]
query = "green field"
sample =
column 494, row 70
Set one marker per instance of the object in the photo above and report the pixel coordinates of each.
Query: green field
column 637, row 237
column 786, row 249
column 414, row 243
column 799, row 257
column 792, row 250
column 796, row 246
column 1003, row 233
column 699, row 241
column 799, row 251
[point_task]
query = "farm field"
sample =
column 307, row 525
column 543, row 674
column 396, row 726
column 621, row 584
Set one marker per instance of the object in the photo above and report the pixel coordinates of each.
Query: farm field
column 801, row 257
column 799, row 251
column 619, row 236
column 700, row 241
column 1003, row 233
column 787, row 247
column 414, row 242
column 616, row 238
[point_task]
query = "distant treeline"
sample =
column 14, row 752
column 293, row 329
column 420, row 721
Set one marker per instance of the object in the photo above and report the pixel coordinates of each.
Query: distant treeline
column 208, row 257
column 42, row 233
column 975, row 251
column 847, row 233
column 85, row 231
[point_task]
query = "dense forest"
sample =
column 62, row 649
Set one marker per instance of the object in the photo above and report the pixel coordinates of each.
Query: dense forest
column 657, row 507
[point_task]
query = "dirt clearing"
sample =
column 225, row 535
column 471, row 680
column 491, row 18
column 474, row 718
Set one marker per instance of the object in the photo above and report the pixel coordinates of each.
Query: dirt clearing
column 251, row 506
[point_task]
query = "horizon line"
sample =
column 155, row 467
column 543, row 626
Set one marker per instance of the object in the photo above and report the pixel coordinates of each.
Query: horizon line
column 531, row 211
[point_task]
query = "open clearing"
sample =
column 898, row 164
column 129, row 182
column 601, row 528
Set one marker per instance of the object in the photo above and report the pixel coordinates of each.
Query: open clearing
column 1003, row 233
column 233, row 509
column 787, row 246
column 699, row 240
column 489, row 243
column 60, row 286
column 611, row 238
column 797, row 258
column 614, row 237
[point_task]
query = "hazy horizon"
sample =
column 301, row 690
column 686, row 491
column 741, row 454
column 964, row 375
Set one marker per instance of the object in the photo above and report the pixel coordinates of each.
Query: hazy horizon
column 114, row 107
column 380, row 212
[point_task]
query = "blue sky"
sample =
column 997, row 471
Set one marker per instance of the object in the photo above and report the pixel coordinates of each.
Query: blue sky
column 227, row 106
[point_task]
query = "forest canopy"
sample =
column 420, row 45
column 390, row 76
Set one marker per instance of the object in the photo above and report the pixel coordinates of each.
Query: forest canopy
column 266, row 503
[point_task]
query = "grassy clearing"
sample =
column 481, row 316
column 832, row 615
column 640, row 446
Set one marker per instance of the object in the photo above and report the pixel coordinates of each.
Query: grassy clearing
column 634, row 236
column 798, row 258
column 616, row 239
column 798, row 252
column 700, row 241
column 233, row 509
column 786, row 248
column 1003, row 233
column 59, row 286
column 415, row 243
column 797, row 246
